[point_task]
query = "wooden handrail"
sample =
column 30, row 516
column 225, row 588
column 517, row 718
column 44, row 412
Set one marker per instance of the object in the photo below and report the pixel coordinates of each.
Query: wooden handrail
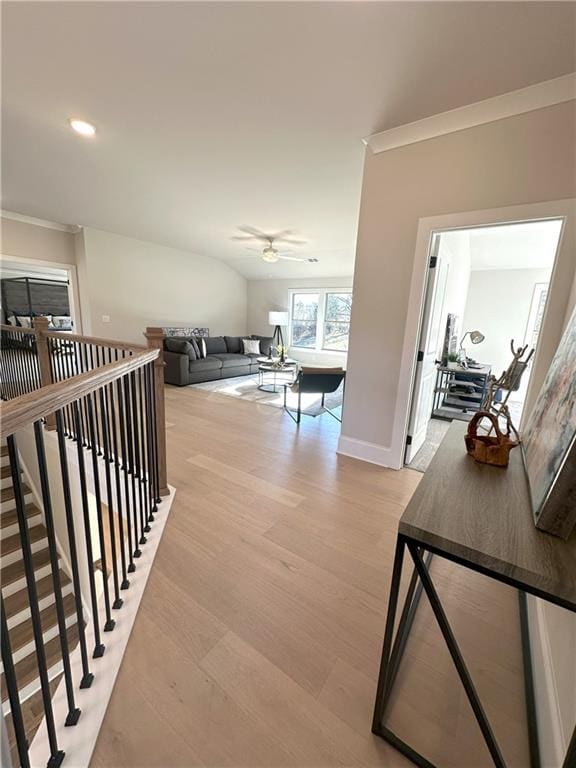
column 36, row 405
column 65, row 336
column 18, row 329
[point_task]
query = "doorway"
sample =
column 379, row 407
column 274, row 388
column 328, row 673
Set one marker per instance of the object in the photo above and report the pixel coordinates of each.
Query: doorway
column 487, row 287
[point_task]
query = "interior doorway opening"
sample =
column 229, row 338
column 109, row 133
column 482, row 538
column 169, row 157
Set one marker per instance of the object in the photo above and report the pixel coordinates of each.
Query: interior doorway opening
column 30, row 290
column 487, row 287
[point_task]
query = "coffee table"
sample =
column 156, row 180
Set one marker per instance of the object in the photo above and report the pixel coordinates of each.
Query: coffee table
column 272, row 369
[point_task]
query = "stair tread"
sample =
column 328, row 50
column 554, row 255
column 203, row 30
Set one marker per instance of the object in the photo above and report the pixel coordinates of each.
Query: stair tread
column 27, row 669
column 23, row 633
column 32, row 715
column 10, row 516
column 8, row 493
column 13, row 543
column 17, row 602
column 6, row 471
column 15, row 571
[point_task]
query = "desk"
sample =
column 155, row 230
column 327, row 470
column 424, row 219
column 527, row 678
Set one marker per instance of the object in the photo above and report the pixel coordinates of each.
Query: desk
column 479, row 517
column 448, row 401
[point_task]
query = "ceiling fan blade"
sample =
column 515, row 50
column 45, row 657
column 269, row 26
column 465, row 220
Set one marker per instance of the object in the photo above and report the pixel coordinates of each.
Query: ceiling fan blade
column 291, row 258
column 289, row 241
column 244, row 237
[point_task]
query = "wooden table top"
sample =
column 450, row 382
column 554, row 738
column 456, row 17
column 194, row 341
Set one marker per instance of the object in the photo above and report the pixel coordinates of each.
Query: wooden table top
column 482, row 515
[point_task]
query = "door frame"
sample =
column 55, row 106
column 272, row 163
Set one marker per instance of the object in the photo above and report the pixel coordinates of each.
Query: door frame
column 561, row 285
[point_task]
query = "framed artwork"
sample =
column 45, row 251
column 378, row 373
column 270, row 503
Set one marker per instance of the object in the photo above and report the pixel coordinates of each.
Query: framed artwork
column 204, row 332
column 549, row 442
column 450, row 338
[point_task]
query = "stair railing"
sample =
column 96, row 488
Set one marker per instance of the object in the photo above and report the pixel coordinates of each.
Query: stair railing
column 110, row 411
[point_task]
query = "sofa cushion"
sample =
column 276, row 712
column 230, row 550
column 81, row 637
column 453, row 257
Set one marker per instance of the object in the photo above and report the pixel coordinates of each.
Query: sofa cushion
column 233, row 344
column 215, row 345
column 207, row 364
column 265, row 343
column 230, row 360
column 180, row 346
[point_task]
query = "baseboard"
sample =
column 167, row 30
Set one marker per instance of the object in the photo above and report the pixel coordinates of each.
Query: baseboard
column 552, row 741
column 370, row 452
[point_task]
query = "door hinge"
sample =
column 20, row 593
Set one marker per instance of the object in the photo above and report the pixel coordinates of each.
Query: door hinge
column 433, row 261
column 408, row 439
column 420, row 356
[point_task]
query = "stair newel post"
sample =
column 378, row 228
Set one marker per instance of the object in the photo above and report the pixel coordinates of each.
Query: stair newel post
column 56, row 755
column 43, row 351
column 155, row 339
column 12, row 687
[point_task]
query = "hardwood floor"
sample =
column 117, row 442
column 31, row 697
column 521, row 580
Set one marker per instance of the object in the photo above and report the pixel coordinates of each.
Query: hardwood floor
column 258, row 639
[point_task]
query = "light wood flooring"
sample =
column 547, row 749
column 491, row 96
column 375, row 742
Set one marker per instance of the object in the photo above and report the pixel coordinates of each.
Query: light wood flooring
column 259, row 635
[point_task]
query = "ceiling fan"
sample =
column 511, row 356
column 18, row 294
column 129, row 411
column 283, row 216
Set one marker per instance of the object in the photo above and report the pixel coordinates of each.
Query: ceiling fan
column 269, row 253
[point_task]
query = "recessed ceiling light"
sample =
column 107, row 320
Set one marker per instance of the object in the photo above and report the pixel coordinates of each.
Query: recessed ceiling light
column 82, row 127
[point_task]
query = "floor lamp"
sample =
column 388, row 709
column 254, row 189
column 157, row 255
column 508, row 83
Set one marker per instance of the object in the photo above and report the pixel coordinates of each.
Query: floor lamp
column 278, row 319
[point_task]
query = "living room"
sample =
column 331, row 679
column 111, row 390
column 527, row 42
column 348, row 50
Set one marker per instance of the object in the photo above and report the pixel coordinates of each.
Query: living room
column 248, row 196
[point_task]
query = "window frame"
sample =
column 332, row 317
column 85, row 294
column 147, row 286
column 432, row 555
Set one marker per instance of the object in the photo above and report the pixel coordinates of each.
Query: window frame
column 322, row 294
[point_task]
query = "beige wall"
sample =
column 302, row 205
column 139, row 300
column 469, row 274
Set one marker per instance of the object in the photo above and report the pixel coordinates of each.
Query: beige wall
column 138, row 283
column 266, row 295
column 528, row 158
column 30, row 241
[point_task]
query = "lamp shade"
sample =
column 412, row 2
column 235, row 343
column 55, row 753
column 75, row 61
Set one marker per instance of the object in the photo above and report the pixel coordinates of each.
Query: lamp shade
column 278, row 318
column 476, row 337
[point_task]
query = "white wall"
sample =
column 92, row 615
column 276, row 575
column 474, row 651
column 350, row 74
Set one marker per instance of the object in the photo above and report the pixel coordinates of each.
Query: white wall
column 31, row 241
column 455, row 249
column 266, row 295
column 137, row 284
column 523, row 159
column 498, row 305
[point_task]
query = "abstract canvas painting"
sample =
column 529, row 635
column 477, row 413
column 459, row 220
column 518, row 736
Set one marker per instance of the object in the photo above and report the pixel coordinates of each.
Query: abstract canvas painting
column 549, row 442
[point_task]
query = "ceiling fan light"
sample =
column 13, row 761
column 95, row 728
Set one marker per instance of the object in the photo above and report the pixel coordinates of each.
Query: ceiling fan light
column 270, row 255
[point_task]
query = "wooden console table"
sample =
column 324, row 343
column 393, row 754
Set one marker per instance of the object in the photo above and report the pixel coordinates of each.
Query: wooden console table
column 480, row 518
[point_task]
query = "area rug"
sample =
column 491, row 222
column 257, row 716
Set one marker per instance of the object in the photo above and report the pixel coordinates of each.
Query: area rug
column 246, row 388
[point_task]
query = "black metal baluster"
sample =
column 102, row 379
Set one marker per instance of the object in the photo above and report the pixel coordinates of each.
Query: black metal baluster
column 125, row 470
column 97, row 434
column 85, row 367
column 137, row 467
column 157, row 498
column 78, row 367
column 87, row 676
column 109, row 625
column 98, row 646
column 56, row 755
column 106, row 446
column 143, row 453
column 125, row 583
column 73, row 711
column 149, row 443
column 67, row 363
column 131, row 470
column 12, row 688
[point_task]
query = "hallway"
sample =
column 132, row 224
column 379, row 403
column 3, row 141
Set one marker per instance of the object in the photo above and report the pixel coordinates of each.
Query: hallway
column 258, row 638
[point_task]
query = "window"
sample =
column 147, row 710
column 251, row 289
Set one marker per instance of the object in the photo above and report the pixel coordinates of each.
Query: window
column 304, row 320
column 337, row 321
column 320, row 320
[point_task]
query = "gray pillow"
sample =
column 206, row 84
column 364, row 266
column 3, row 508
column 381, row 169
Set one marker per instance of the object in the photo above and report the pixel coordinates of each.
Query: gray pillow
column 181, row 347
column 195, row 347
column 234, row 344
column 265, row 343
column 215, row 345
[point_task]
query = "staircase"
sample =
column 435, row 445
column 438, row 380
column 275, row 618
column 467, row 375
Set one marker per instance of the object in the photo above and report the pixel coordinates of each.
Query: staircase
column 16, row 602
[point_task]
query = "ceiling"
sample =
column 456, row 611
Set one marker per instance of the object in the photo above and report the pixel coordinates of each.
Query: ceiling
column 216, row 115
column 524, row 245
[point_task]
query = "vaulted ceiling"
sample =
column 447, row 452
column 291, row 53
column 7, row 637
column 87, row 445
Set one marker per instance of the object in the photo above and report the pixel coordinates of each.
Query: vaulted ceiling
column 216, row 115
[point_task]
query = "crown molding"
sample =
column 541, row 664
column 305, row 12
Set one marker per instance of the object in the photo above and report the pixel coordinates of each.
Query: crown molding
column 537, row 96
column 71, row 228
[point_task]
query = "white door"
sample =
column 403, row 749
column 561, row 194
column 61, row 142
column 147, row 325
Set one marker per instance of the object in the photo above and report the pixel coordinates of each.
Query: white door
column 431, row 337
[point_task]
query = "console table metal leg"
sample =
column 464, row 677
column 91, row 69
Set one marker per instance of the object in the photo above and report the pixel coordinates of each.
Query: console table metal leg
column 383, row 687
column 530, row 695
column 457, row 658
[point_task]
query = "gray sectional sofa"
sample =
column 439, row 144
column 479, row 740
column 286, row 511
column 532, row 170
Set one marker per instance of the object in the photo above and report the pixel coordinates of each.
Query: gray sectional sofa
column 224, row 359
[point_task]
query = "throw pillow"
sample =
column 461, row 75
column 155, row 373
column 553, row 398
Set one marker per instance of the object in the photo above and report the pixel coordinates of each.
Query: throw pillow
column 24, row 321
column 61, row 321
column 251, row 346
column 265, row 343
column 201, row 346
column 195, row 347
column 181, row 346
